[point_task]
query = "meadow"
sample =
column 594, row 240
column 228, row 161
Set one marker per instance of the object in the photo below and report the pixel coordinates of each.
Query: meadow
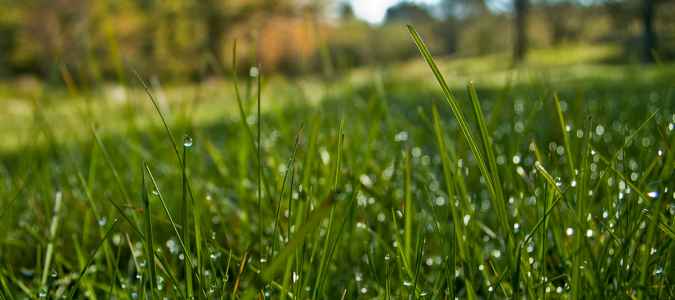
column 552, row 180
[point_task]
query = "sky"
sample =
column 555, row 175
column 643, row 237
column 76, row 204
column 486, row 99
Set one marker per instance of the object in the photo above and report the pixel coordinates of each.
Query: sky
column 373, row 11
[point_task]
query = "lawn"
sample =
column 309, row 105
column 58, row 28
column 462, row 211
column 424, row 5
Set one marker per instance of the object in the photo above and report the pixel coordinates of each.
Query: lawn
column 549, row 180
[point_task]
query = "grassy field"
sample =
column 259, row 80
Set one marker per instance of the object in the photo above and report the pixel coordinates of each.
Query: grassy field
column 548, row 181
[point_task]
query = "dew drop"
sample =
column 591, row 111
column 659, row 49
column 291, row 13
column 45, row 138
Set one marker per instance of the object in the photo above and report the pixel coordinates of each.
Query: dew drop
column 154, row 190
column 102, row 221
column 54, row 273
column 187, row 141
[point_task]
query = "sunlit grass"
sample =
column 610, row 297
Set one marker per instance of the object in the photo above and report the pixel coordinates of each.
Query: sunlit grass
column 370, row 183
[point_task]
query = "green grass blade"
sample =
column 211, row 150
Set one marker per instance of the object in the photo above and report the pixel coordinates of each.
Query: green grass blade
column 149, row 244
column 12, row 202
column 371, row 266
column 115, row 268
column 189, row 265
column 118, row 180
column 515, row 277
column 447, row 172
column 311, row 152
column 407, row 225
column 260, row 173
column 52, row 236
column 440, row 237
column 407, row 268
column 242, row 114
column 621, row 150
column 566, row 137
column 420, row 249
column 281, row 193
column 350, row 208
column 185, row 241
column 500, row 207
column 310, row 225
column 91, row 259
column 499, row 282
column 487, row 141
column 576, row 287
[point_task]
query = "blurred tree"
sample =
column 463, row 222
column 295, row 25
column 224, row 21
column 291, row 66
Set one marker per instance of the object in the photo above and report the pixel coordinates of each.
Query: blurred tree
column 520, row 43
column 465, row 9
column 219, row 16
column 648, row 37
column 346, row 12
column 565, row 19
column 407, row 12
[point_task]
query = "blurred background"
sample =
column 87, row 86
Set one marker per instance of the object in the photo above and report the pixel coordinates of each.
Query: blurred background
column 72, row 61
column 188, row 41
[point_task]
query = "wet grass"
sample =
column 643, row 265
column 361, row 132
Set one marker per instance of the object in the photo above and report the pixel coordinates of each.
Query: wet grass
column 546, row 186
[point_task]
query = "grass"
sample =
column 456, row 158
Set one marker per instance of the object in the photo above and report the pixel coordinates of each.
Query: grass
column 506, row 190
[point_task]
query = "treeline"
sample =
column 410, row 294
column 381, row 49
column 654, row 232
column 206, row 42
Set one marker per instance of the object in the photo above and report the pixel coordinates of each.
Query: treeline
column 189, row 40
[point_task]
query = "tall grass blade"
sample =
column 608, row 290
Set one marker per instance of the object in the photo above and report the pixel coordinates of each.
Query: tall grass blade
column 499, row 282
column 566, row 137
column 577, row 289
column 149, row 245
column 500, row 207
column 186, row 235
column 372, row 267
column 52, row 236
column 350, row 208
column 91, row 259
column 311, row 151
column 185, row 241
column 440, row 239
column 118, row 180
column 627, row 141
column 281, row 193
column 487, row 142
column 407, row 225
column 242, row 114
column 115, row 268
column 311, row 224
column 12, row 202
column 406, row 266
column 260, row 173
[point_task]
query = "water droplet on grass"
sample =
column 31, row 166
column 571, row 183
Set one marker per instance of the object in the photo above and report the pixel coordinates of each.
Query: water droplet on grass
column 187, row 141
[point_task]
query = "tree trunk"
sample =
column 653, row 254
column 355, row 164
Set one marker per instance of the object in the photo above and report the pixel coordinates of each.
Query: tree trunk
column 649, row 37
column 521, row 38
column 215, row 27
